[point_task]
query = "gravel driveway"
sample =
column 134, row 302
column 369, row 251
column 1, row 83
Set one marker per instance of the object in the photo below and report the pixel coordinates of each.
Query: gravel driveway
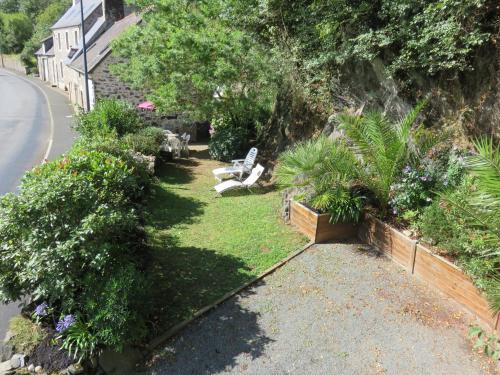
column 335, row 309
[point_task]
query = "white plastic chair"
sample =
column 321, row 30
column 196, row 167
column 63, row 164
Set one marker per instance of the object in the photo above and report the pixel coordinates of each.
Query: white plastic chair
column 185, row 143
column 239, row 167
column 235, row 184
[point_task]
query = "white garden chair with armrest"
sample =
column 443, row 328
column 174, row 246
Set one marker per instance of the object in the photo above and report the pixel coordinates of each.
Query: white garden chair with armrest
column 185, row 144
column 235, row 184
column 239, row 167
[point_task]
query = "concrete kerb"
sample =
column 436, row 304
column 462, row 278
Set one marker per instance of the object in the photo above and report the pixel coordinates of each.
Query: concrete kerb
column 153, row 344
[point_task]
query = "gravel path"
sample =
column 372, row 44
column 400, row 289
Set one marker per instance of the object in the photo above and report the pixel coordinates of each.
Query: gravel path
column 335, row 309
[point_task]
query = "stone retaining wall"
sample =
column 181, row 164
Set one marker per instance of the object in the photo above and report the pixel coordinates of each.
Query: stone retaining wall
column 12, row 63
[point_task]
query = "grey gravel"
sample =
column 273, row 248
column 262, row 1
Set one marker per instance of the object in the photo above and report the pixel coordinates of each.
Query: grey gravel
column 335, row 309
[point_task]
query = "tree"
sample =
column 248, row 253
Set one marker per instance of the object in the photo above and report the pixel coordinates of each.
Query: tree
column 16, row 30
column 9, row 6
column 193, row 59
column 43, row 23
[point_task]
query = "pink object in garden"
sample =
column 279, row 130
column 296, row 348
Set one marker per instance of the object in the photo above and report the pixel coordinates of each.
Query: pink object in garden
column 147, row 105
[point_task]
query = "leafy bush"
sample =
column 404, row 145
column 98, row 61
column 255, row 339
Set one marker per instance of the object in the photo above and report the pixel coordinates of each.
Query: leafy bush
column 72, row 238
column 465, row 223
column 147, row 141
column 327, row 171
column 228, row 143
column 109, row 117
column 412, row 191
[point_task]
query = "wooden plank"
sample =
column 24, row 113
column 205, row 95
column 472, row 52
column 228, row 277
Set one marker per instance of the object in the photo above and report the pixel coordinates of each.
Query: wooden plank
column 450, row 280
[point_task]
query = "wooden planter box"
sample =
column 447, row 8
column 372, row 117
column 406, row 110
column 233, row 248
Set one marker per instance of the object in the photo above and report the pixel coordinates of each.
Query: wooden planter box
column 431, row 268
column 317, row 226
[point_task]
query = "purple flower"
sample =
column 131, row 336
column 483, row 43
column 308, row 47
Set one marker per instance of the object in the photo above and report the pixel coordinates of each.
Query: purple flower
column 41, row 310
column 65, row 323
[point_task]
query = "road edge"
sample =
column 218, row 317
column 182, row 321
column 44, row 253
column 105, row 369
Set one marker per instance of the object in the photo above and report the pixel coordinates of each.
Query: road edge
column 49, row 106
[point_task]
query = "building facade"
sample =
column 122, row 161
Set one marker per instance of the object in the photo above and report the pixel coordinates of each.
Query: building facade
column 65, row 44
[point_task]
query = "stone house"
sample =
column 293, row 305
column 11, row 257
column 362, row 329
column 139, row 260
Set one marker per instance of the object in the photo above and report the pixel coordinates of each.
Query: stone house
column 60, row 59
column 106, row 85
column 65, row 43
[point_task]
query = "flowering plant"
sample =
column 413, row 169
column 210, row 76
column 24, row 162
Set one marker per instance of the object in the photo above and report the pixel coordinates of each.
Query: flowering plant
column 65, row 322
column 412, row 191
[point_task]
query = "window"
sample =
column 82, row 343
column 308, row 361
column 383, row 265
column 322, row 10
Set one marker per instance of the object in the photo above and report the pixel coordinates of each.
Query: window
column 59, row 40
column 62, row 75
column 67, row 40
column 76, row 38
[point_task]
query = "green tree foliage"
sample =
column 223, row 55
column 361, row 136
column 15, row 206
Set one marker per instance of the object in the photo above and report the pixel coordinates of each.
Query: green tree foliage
column 16, row 29
column 194, row 60
column 9, row 6
column 424, row 35
column 44, row 17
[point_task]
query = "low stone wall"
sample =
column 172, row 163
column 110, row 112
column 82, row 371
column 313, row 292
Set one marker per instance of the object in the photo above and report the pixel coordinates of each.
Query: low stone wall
column 12, row 63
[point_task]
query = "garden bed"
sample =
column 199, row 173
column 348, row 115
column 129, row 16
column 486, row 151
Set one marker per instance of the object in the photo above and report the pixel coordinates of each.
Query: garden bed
column 407, row 252
column 429, row 267
column 317, row 226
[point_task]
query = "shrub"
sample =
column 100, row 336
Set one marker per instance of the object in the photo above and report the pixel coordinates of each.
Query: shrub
column 382, row 147
column 412, row 191
column 72, row 238
column 327, row 171
column 445, row 224
column 109, row 117
column 228, row 143
column 147, row 141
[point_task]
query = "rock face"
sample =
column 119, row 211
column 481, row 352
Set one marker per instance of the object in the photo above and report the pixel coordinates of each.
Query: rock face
column 18, row 360
column 466, row 104
column 6, row 352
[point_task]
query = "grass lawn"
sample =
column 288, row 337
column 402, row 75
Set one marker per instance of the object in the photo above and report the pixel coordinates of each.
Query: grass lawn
column 204, row 245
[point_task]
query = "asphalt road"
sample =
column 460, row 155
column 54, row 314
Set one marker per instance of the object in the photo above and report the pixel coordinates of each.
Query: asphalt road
column 34, row 123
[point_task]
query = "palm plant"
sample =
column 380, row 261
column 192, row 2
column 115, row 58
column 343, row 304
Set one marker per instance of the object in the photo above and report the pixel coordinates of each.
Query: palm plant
column 328, row 171
column 381, row 147
column 480, row 208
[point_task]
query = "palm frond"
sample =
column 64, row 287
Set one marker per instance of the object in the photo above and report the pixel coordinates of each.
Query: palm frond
column 381, row 146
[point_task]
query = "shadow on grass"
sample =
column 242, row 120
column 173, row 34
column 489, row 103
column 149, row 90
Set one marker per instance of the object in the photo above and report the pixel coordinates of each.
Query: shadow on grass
column 189, row 278
column 176, row 172
column 257, row 190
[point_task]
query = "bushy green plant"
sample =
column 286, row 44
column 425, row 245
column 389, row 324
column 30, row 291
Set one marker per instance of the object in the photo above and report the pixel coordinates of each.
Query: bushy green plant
column 109, row 117
column 412, row 191
column 147, row 141
column 328, row 170
column 445, row 224
column 228, row 142
column 382, row 146
column 72, row 238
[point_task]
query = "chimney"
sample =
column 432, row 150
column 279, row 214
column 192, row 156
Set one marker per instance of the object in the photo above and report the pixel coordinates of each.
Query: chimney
column 114, row 10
